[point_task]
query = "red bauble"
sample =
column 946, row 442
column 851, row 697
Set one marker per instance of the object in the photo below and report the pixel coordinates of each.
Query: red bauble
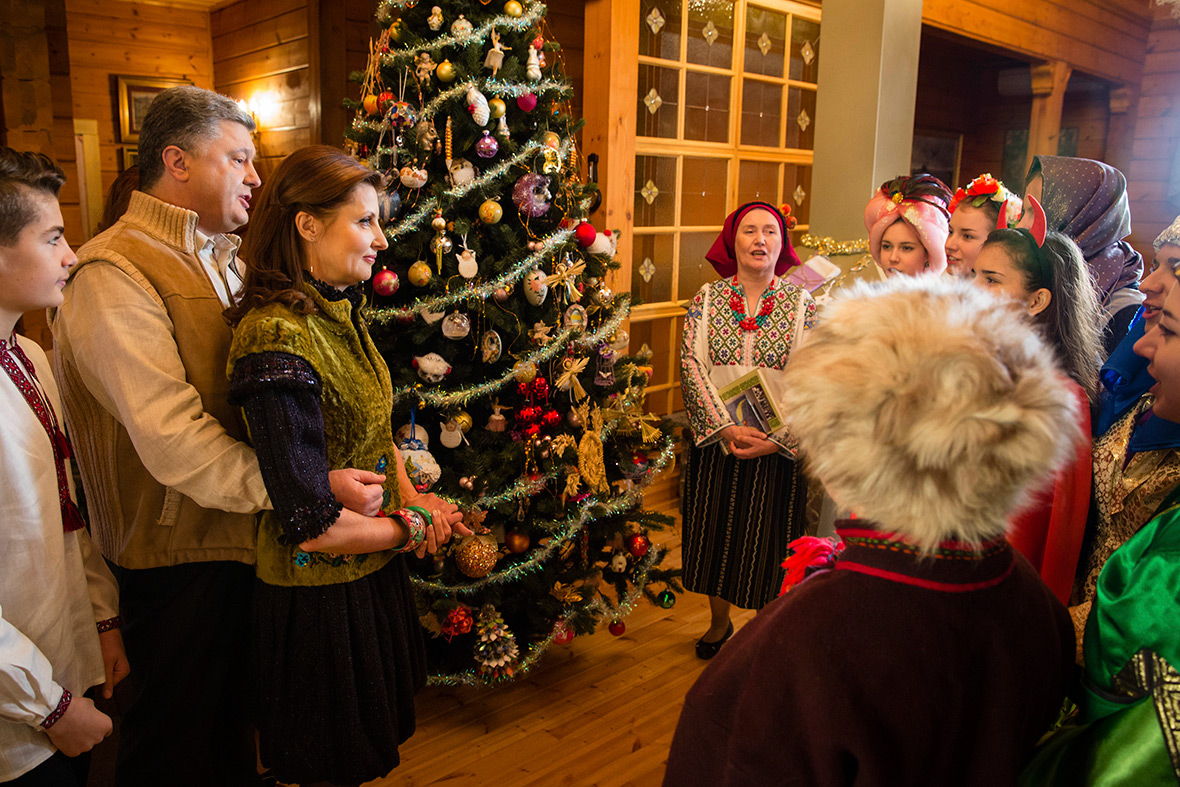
column 638, row 544
column 564, row 634
column 540, row 387
column 516, row 541
column 532, row 430
column 522, row 389
column 551, row 418
column 538, row 42
column 385, row 282
column 384, row 101
column 527, row 102
column 522, row 415
column 585, row 234
column 617, row 628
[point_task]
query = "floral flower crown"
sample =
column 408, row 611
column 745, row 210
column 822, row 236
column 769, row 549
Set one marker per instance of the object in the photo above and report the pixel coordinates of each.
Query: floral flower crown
column 985, row 188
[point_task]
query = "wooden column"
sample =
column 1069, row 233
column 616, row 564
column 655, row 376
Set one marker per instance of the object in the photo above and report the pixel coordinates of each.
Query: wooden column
column 1049, row 81
column 864, row 116
column 609, row 101
column 1120, row 130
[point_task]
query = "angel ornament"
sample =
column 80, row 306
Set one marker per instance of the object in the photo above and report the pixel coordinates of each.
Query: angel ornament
column 495, row 58
column 532, row 69
column 435, row 20
column 425, row 67
column 468, row 267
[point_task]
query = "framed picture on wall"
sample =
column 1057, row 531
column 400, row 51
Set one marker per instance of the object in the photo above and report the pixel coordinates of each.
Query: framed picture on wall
column 937, row 153
column 129, row 158
column 134, row 95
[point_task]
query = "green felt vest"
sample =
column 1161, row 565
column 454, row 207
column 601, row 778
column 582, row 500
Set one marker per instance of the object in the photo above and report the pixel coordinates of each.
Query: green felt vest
column 356, row 399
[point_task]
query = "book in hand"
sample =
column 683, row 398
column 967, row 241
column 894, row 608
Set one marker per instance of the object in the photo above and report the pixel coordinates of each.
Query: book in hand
column 750, row 402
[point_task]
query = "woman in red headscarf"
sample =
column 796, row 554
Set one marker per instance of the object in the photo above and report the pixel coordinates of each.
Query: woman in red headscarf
column 744, row 497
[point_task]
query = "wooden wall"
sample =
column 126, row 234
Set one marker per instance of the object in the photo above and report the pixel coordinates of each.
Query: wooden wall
column 1157, row 126
column 107, row 39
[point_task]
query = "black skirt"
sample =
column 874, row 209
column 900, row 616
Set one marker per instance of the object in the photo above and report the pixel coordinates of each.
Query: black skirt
column 336, row 669
column 738, row 517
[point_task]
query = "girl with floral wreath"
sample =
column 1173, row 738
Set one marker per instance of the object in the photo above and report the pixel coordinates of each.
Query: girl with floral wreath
column 975, row 212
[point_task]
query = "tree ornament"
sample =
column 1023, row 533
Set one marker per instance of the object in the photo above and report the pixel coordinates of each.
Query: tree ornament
column 477, row 105
column 563, row 634
column 445, row 71
column 637, row 467
column 514, row 9
column 425, row 135
column 550, row 139
column 590, row 461
column 619, row 339
column 490, row 212
column 467, row 482
column 550, row 161
column 450, row 435
column 468, row 268
column 370, row 104
column 463, row 418
column 429, row 317
column 476, row 557
column 496, row 421
column 490, row 346
column 575, row 317
column 604, row 376
column 414, row 445
column 535, row 287
column 440, row 244
column 412, row 177
column 617, row 627
column 531, row 195
column 495, row 58
column 638, row 544
column 396, row 31
column 532, row 430
column 618, row 562
column 497, row 107
column 435, row 20
column 458, row 621
column 516, row 541
column 584, row 233
column 461, row 28
column 456, row 326
column 666, row 599
column 462, row 172
column 432, row 367
column 424, row 66
column 501, row 294
column 527, row 102
column 540, row 388
column 487, row 146
column 420, row 274
column 551, row 418
column 532, row 69
column 385, row 282
column 524, row 371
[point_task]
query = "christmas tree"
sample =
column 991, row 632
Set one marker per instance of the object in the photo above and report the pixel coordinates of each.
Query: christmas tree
column 512, row 387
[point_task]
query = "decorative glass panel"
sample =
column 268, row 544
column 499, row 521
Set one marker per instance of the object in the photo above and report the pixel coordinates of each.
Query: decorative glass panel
column 766, row 41
column 804, row 49
column 695, row 270
column 660, row 172
column 710, row 33
column 758, row 180
column 797, row 180
column 657, row 288
column 762, row 107
column 706, row 109
column 659, row 28
column 800, row 118
column 666, row 84
column 703, row 192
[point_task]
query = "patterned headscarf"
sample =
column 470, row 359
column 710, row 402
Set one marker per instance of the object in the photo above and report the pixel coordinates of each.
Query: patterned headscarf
column 1087, row 200
column 920, row 201
column 1170, row 235
column 722, row 255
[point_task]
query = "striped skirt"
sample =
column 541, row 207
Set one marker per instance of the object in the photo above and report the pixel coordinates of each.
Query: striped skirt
column 738, row 517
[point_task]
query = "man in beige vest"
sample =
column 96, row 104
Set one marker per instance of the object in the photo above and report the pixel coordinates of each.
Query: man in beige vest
column 172, row 489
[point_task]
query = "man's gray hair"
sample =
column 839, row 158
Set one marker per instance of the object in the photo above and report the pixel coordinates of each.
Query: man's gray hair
column 186, row 117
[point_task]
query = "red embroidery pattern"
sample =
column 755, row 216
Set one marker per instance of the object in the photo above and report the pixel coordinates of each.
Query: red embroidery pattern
column 59, row 711
column 737, row 303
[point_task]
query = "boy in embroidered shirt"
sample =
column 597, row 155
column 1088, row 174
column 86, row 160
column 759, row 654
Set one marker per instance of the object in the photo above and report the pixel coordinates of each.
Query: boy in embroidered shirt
column 59, row 632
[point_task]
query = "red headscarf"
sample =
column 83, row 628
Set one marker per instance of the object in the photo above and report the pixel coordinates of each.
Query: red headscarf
column 721, row 253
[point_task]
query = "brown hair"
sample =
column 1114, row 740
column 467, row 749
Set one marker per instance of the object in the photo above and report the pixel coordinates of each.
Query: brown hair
column 316, row 179
column 119, row 197
column 19, row 174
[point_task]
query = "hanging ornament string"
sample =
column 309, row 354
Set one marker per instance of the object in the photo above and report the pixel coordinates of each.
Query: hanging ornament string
column 526, row 20
column 34, row 393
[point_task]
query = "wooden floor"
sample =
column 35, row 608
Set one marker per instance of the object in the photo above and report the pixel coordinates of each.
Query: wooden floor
column 599, row 711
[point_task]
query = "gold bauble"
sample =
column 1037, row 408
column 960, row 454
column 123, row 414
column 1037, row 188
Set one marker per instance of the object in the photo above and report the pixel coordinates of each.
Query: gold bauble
column 396, row 30
column 463, row 418
column 445, row 71
column 497, row 108
column 524, row 371
column 490, row 212
column 551, row 140
column 475, row 557
column 513, row 9
column 419, row 274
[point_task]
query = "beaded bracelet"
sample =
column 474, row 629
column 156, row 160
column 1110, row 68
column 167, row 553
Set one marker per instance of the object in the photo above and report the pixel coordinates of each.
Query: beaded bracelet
column 417, row 525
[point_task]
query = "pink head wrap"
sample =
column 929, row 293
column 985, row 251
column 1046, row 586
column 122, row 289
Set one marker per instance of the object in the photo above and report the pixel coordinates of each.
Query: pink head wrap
column 918, row 200
column 722, row 256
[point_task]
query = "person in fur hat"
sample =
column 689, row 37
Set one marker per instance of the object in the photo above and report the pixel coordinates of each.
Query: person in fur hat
column 929, row 651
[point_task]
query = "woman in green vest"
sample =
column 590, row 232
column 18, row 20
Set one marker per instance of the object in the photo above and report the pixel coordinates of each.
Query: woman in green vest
column 338, row 651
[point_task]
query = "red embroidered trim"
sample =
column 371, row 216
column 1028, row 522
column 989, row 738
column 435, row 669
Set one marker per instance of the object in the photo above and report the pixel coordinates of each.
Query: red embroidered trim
column 110, row 624
column 737, row 304
column 948, row 544
column 928, row 584
column 59, row 711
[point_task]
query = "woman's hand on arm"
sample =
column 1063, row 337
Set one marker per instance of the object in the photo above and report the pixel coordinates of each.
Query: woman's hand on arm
column 359, row 490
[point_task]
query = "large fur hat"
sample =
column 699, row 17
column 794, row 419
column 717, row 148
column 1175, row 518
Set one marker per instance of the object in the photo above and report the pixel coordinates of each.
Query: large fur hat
column 928, row 407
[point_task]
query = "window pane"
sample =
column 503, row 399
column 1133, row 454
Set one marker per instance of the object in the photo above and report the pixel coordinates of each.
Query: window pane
column 766, row 41
column 706, row 109
column 707, row 22
column 659, row 28
column 695, row 270
column 758, row 180
column 804, row 41
column 800, row 118
column 655, row 191
column 659, row 91
column 797, row 191
column 703, row 192
column 652, row 262
column 762, row 107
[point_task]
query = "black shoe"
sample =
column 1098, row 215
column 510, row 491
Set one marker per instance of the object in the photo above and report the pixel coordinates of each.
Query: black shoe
column 707, row 650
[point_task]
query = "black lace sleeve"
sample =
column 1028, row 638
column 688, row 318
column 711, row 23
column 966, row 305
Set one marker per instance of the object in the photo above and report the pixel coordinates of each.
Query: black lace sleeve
column 280, row 395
